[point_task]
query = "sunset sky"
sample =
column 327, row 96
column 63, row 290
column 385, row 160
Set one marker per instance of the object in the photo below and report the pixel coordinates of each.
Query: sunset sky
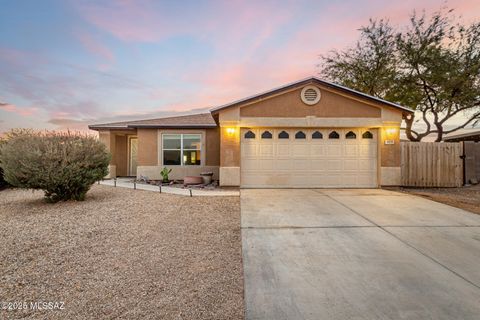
column 65, row 64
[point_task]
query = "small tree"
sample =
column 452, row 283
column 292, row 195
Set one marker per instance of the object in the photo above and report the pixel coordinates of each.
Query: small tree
column 431, row 66
column 63, row 165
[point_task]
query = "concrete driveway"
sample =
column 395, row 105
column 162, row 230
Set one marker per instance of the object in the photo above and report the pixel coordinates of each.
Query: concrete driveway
column 358, row 254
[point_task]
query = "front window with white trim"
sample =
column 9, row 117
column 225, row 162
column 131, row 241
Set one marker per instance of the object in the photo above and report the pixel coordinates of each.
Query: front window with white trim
column 181, row 149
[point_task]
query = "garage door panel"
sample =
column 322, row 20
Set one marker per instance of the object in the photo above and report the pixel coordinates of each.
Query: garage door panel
column 266, row 164
column 317, row 150
column 266, row 150
column 351, row 151
column 334, row 151
column 319, row 164
column 368, row 150
column 249, row 150
column 333, row 180
column 367, row 165
column 333, row 165
column 365, row 180
column 350, row 164
column 301, row 164
column 349, row 179
column 300, row 150
column 309, row 162
column 283, row 149
column 249, row 164
column 283, row 164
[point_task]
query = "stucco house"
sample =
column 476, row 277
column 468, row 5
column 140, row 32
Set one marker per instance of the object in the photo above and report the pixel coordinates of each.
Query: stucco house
column 310, row 133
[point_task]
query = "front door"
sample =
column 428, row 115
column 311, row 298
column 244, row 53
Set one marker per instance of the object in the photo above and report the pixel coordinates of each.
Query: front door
column 133, row 152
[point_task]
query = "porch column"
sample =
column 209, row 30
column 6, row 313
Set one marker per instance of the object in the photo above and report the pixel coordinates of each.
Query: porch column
column 108, row 138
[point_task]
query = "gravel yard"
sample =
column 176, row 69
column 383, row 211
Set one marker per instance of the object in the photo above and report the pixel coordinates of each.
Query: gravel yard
column 467, row 198
column 122, row 254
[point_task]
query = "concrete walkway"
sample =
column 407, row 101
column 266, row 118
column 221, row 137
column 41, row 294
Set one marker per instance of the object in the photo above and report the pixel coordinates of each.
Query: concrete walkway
column 127, row 183
column 358, row 254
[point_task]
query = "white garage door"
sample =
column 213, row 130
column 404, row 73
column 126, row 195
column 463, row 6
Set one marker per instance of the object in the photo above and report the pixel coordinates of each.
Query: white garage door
column 309, row 158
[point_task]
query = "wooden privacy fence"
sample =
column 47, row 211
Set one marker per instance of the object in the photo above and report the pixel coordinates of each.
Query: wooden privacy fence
column 431, row 164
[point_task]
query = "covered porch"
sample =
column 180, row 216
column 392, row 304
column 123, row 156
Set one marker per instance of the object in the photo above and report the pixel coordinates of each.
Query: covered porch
column 123, row 146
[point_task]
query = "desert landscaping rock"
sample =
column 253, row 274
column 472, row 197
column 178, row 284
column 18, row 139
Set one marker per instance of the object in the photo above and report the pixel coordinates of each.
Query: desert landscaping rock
column 467, row 198
column 122, row 254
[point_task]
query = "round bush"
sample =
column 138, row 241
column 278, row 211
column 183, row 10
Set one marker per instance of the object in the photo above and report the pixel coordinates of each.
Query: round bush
column 64, row 165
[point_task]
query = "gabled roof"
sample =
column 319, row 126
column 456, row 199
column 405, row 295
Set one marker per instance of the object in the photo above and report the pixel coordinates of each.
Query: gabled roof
column 305, row 81
column 200, row 120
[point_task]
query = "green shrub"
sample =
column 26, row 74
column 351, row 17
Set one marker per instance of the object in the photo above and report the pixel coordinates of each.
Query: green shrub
column 3, row 183
column 63, row 165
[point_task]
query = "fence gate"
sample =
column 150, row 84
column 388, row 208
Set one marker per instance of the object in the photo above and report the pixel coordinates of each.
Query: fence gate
column 431, row 164
column 472, row 161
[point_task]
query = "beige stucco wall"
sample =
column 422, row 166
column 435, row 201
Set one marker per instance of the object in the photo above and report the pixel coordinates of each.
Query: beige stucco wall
column 212, row 142
column 147, row 147
column 229, row 176
column 107, row 138
column 390, row 176
column 121, row 155
column 229, row 147
column 390, row 158
column 390, row 153
column 331, row 105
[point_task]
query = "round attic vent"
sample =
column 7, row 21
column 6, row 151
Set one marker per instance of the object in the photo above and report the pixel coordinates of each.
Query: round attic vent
column 310, row 95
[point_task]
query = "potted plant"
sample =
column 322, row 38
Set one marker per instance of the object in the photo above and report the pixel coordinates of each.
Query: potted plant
column 164, row 173
column 207, row 177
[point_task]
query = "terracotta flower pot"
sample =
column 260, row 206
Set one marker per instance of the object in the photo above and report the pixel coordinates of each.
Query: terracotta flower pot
column 192, row 180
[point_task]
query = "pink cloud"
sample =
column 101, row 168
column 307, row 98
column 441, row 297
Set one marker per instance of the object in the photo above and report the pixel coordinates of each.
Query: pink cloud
column 26, row 112
column 223, row 23
column 126, row 20
column 95, row 47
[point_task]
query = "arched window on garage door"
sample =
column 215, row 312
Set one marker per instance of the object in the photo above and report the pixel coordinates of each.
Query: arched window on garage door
column 266, row 135
column 367, row 135
column 249, row 135
column 334, row 135
column 283, row 135
column 300, row 135
column 317, row 135
column 350, row 135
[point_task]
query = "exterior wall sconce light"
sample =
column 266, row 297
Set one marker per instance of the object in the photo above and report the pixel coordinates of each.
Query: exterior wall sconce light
column 391, row 131
column 230, row 131
column 390, row 135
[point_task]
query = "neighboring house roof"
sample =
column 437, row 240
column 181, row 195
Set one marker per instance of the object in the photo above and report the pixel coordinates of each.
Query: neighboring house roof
column 299, row 83
column 463, row 135
column 200, row 120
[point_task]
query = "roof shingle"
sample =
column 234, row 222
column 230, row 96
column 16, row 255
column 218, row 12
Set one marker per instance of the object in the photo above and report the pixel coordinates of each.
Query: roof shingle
column 200, row 120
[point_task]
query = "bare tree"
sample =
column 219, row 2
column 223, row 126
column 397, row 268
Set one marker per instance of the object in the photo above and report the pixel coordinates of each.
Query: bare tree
column 431, row 66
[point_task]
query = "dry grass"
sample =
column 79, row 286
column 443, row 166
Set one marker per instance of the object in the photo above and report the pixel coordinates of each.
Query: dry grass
column 122, row 254
column 467, row 198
